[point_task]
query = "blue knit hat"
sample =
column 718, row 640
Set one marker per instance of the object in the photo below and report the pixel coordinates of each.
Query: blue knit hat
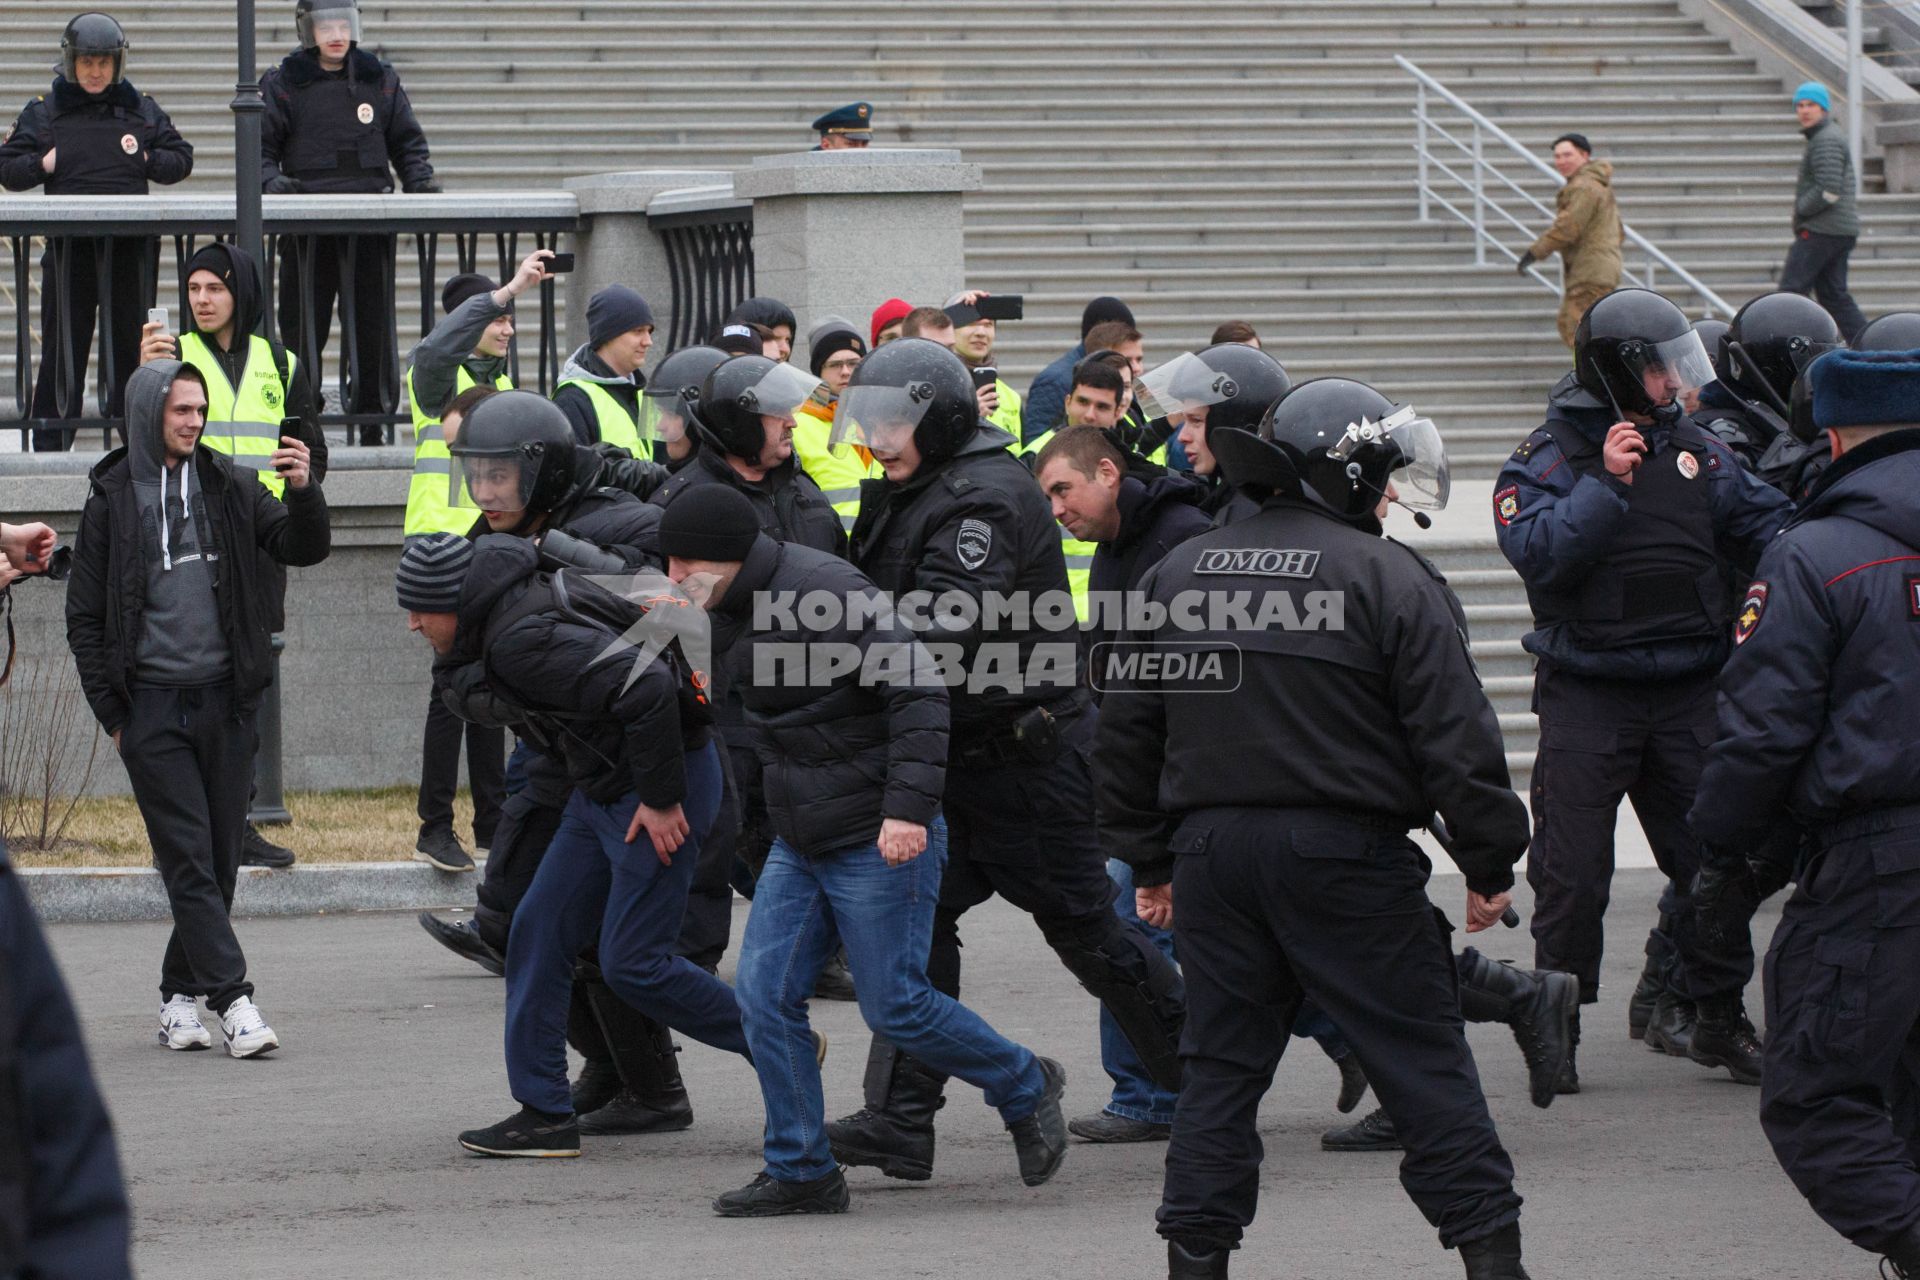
column 1816, row 93
column 1865, row 389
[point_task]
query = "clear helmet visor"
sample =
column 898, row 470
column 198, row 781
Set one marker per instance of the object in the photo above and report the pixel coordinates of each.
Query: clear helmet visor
column 780, row 393
column 1183, row 383
column 882, row 419
column 1420, row 475
column 1670, row 369
column 663, row 416
column 325, row 26
column 491, row 482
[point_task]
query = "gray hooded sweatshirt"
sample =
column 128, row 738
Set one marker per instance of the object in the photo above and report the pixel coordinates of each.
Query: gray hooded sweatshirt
column 181, row 643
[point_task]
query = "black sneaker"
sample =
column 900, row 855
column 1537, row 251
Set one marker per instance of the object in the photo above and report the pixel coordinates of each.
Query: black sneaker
column 442, row 849
column 464, row 940
column 767, row 1197
column 258, row 851
column 1103, row 1126
column 1040, row 1140
column 526, row 1133
column 1372, row 1132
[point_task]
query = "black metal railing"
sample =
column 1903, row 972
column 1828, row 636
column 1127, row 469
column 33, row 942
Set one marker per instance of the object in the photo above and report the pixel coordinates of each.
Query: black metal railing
column 710, row 264
column 76, row 226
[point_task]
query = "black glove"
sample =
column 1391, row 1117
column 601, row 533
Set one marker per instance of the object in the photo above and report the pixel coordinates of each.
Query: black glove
column 1526, row 260
column 425, row 187
column 1724, row 900
column 282, row 185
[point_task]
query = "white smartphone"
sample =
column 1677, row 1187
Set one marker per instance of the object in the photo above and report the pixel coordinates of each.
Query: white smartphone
column 158, row 315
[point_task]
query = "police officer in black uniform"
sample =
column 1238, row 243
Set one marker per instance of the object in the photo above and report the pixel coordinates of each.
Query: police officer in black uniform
column 1264, row 804
column 93, row 133
column 956, row 515
column 336, row 118
column 1772, row 339
column 1816, row 733
column 667, row 401
column 1795, row 467
column 1627, row 522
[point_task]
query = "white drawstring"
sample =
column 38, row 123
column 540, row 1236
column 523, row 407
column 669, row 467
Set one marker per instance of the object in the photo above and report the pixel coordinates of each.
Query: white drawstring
column 186, row 487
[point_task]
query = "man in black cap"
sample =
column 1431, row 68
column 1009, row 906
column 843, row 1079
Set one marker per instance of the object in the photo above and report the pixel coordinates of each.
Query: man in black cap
column 773, row 315
column 599, row 388
column 336, row 118
column 112, row 140
column 1816, row 732
column 848, row 128
column 1046, row 404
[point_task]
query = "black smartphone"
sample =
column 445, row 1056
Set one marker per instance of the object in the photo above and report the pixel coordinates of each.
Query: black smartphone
column 1002, row 306
column 560, row 263
column 288, row 427
column 985, row 376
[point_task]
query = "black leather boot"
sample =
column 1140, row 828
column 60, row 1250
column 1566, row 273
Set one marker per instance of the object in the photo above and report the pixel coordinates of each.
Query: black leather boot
column 1495, row 1257
column 1372, row 1132
column 1724, row 1037
column 1569, row 1081
column 894, row 1131
column 652, row 1099
column 1671, row 1030
column 1538, row 1006
column 1182, row 1265
column 1903, row 1255
column 1645, row 993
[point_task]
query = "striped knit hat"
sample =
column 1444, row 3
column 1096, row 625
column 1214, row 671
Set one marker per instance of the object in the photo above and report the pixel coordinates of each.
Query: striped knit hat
column 432, row 570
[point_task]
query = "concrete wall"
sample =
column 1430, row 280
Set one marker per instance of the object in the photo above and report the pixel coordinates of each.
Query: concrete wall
column 354, row 682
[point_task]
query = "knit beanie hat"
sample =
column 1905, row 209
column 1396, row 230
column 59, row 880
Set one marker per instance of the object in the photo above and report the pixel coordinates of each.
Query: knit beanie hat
column 613, row 311
column 458, row 289
column 432, row 571
column 830, row 337
column 709, row 522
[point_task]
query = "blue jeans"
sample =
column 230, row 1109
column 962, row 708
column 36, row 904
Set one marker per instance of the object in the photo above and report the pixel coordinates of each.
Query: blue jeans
column 804, row 907
column 1135, row 1097
column 593, row 882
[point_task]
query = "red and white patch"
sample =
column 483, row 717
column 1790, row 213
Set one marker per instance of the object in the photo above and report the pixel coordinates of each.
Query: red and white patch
column 1506, row 505
column 365, row 113
column 1688, row 464
column 1752, row 607
column 129, row 144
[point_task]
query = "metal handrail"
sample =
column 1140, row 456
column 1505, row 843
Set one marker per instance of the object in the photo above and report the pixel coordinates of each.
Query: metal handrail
column 1485, row 205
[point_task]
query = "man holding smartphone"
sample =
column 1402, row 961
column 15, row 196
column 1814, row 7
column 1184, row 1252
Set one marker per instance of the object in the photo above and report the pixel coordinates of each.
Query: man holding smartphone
column 975, row 314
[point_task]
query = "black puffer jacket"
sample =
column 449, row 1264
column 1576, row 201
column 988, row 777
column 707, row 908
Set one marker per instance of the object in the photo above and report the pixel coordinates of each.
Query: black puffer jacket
column 840, row 758
column 618, row 731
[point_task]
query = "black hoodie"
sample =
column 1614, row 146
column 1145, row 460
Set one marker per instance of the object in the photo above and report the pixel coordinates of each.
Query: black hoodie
column 1817, row 702
column 86, row 131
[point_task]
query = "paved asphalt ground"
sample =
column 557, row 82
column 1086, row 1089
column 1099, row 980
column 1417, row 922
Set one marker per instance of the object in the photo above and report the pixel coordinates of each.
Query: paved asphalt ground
column 336, row 1157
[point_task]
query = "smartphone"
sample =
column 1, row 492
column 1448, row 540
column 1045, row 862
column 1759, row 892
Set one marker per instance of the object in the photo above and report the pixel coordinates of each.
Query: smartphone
column 158, row 315
column 985, row 376
column 289, row 427
column 1002, row 306
column 560, row 263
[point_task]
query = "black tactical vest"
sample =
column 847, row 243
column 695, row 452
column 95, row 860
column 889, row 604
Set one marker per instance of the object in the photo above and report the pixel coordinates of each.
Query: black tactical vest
column 1662, row 578
column 336, row 136
column 93, row 152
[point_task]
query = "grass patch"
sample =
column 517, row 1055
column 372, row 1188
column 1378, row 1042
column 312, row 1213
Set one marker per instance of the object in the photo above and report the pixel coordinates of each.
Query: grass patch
column 328, row 826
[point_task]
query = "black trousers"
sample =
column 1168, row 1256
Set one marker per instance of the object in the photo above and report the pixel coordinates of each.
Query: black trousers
column 129, row 295
column 363, row 264
column 1600, row 741
column 1817, row 265
column 1275, row 905
column 1840, row 1086
column 190, row 760
column 440, row 772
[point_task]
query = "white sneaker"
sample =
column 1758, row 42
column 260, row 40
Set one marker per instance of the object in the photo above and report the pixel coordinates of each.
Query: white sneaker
column 248, row 1035
column 180, row 1025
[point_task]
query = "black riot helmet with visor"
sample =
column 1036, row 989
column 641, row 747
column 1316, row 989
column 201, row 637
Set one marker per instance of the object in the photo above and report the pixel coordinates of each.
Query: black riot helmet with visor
column 1340, row 443
column 740, row 393
column 670, row 400
column 1772, row 339
column 1636, row 352
column 909, row 389
column 1232, row 383
column 514, row 452
column 92, row 35
column 315, row 20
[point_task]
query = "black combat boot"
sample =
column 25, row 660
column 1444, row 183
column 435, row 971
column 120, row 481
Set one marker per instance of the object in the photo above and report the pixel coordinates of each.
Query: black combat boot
column 836, row 980
column 1210, row 1264
column 1723, row 1037
column 652, row 1099
column 1645, row 993
column 1040, row 1140
column 1353, row 1082
column 1671, row 1030
column 1539, row 1007
column 1371, row 1132
column 1903, row 1255
column 894, row 1131
column 1569, row 1081
column 1495, row 1257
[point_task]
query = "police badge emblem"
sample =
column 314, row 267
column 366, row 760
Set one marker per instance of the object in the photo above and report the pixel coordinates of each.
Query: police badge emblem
column 973, row 543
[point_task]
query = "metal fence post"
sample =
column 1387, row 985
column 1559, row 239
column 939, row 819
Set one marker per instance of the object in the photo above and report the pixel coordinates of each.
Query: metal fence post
column 1420, row 142
column 1479, row 202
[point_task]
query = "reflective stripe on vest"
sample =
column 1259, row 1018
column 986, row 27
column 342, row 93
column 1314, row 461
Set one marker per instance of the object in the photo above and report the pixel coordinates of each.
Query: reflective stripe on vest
column 617, row 426
column 243, row 422
column 838, row 472
column 428, row 510
column 1007, row 415
column 1079, row 554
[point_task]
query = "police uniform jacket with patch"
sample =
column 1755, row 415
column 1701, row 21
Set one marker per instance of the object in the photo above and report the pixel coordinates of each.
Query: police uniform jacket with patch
column 1365, row 701
column 974, row 524
column 339, row 130
column 839, row 758
column 1629, row 581
column 111, row 143
column 1819, row 701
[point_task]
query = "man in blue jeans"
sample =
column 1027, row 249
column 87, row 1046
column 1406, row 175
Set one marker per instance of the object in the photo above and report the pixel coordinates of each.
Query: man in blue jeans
column 849, row 719
column 636, row 744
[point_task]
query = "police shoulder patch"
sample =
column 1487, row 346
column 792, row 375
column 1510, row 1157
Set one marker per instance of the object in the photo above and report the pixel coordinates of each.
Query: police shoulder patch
column 973, row 543
column 1532, row 442
column 1506, row 505
column 1753, row 606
